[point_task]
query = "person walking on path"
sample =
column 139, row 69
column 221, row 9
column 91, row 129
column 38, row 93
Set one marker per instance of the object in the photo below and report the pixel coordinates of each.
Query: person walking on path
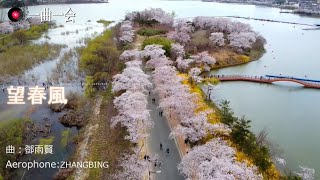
column 153, row 100
column 168, row 151
column 161, row 146
column 156, row 163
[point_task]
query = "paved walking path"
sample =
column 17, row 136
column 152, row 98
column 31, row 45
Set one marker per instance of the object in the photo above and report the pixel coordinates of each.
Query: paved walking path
column 160, row 133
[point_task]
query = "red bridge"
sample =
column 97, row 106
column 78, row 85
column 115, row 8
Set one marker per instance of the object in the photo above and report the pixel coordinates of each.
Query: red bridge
column 270, row 79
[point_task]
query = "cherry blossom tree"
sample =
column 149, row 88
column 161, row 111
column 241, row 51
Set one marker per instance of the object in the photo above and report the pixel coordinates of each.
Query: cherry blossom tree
column 132, row 104
column 158, row 62
column 179, row 100
column 242, row 40
column 20, row 25
column 126, row 32
column 306, row 173
column 217, row 39
column 194, row 74
column 183, row 25
column 179, row 36
column 132, row 78
column 177, row 50
column 35, row 21
column 241, row 27
column 153, row 51
column 132, row 16
column 202, row 22
column 183, row 64
column 132, row 114
column 182, row 31
column 215, row 160
column 198, row 127
column 134, row 167
column 130, row 55
column 173, row 94
column 166, row 76
column 157, row 14
column 204, row 59
column 135, row 63
column 220, row 25
column 6, row 27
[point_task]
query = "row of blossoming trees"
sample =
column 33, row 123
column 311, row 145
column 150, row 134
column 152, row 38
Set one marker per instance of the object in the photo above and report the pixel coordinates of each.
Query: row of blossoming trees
column 212, row 160
column 211, row 155
column 131, row 104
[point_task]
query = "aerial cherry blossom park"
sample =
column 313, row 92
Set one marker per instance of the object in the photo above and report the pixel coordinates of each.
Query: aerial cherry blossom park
column 144, row 96
column 173, row 63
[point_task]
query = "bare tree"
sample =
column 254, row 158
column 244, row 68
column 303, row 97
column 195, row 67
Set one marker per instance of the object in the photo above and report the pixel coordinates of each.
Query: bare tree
column 262, row 137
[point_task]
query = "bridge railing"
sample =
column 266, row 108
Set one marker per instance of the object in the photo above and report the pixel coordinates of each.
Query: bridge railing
column 269, row 77
column 240, row 76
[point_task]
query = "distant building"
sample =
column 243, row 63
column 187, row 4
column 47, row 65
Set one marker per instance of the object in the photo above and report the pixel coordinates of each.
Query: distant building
column 293, row 1
column 312, row 5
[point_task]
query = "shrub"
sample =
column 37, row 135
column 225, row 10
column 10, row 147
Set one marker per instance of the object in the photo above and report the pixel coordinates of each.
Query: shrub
column 89, row 89
column 105, row 22
column 100, row 55
column 150, row 32
column 36, row 31
column 20, row 36
column 149, row 23
column 11, row 133
column 166, row 43
column 243, row 59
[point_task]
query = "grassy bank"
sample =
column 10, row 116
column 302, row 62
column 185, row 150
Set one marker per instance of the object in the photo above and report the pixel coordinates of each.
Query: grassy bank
column 108, row 143
column 99, row 60
column 12, row 133
column 17, row 54
column 16, row 59
column 226, row 57
column 22, row 36
column 249, row 147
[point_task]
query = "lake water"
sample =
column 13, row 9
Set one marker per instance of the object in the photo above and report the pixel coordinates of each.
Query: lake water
column 288, row 111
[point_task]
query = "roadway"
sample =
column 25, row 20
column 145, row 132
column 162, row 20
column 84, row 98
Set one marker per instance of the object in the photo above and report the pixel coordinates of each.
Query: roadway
column 160, row 133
